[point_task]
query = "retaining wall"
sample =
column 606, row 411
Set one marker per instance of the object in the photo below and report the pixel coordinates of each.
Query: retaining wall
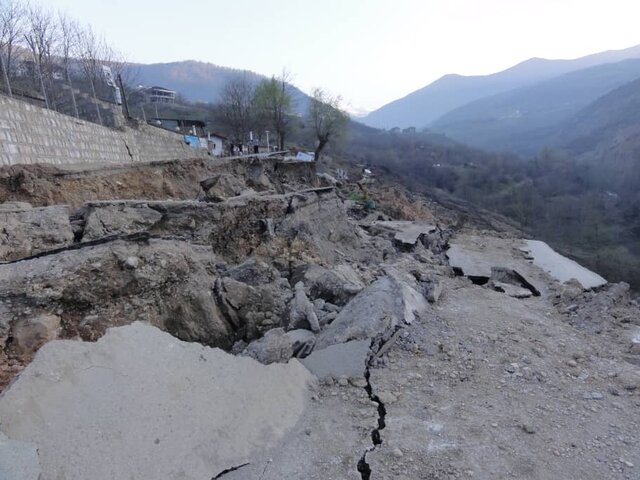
column 31, row 134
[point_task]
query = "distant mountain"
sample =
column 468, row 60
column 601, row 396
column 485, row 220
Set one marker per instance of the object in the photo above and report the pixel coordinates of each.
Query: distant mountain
column 521, row 120
column 199, row 81
column 610, row 124
column 605, row 136
column 420, row 108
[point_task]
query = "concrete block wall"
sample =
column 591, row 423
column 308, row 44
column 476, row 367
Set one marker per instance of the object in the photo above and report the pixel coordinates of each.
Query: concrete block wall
column 31, row 134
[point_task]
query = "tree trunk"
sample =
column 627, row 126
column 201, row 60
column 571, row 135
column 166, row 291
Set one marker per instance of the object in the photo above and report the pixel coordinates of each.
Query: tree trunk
column 321, row 144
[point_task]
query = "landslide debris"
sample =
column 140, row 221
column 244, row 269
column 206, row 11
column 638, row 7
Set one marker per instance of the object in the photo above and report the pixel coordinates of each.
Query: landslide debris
column 442, row 349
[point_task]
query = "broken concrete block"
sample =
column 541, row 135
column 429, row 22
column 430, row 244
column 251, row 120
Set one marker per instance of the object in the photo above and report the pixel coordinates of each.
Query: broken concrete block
column 139, row 403
column 18, row 460
column 108, row 218
column 27, row 231
column 278, row 346
column 221, row 187
column 377, row 308
column 511, row 290
column 561, row 268
column 405, row 232
column 337, row 285
column 344, row 359
column 301, row 311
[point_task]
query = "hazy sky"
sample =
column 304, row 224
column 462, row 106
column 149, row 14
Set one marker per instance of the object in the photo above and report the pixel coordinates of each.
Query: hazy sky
column 369, row 51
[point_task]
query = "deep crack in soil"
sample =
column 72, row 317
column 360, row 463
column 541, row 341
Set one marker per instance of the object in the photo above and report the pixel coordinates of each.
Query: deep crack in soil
column 376, row 438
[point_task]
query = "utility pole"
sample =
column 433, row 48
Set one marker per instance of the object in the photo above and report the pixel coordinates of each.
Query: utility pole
column 268, row 149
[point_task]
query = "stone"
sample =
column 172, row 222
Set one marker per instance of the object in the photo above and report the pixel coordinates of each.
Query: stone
column 28, row 231
column 405, row 232
column 165, row 401
column 396, row 452
column 253, row 310
column 302, row 341
column 387, row 398
column 345, row 359
column 279, row 346
column 117, row 218
column 273, row 347
column 301, row 311
column 630, row 380
column 376, row 309
column 18, row 460
column 359, row 382
column 90, row 289
column 435, row 291
column 337, row 285
column 528, row 428
column 592, row 396
column 30, row 333
column 511, row 290
column 220, row 187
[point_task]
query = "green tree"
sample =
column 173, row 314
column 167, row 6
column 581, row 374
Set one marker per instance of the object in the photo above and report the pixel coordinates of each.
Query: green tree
column 326, row 118
column 273, row 102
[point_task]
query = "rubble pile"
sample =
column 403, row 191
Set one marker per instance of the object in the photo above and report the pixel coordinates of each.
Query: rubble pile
column 254, row 319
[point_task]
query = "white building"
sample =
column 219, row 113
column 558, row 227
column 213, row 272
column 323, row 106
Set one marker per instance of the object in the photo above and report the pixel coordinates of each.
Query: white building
column 215, row 142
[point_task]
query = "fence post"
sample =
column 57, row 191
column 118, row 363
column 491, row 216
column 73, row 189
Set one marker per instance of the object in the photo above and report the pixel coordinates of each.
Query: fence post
column 5, row 75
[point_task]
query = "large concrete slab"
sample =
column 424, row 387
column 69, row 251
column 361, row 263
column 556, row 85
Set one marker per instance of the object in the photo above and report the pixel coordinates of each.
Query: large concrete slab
column 561, row 267
column 469, row 262
column 18, row 460
column 344, row 359
column 140, row 403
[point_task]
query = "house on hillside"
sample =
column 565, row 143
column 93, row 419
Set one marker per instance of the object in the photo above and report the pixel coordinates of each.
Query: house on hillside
column 215, row 143
column 155, row 94
column 185, row 126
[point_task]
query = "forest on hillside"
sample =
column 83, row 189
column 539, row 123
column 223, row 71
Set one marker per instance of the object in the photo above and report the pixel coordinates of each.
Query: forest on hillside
column 588, row 208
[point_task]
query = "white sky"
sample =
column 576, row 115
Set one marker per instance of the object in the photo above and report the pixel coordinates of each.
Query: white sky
column 369, row 51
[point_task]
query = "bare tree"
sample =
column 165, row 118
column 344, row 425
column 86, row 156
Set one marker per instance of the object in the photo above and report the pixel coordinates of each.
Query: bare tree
column 41, row 36
column 89, row 50
column 67, row 45
column 273, row 103
column 12, row 15
column 237, row 109
column 326, row 118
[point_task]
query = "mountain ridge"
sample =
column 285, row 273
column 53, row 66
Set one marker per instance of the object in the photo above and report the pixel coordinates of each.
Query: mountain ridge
column 425, row 105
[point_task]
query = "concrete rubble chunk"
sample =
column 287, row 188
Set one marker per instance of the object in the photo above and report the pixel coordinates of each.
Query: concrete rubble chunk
column 337, row 285
column 278, row 346
column 104, row 218
column 301, row 311
column 341, row 360
column 140, row 403
column 380, row 306
column 220, row 187
column 94, row 287
column 18, row 460
column 560, row 267
column 27, row 231
column 405, row 232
